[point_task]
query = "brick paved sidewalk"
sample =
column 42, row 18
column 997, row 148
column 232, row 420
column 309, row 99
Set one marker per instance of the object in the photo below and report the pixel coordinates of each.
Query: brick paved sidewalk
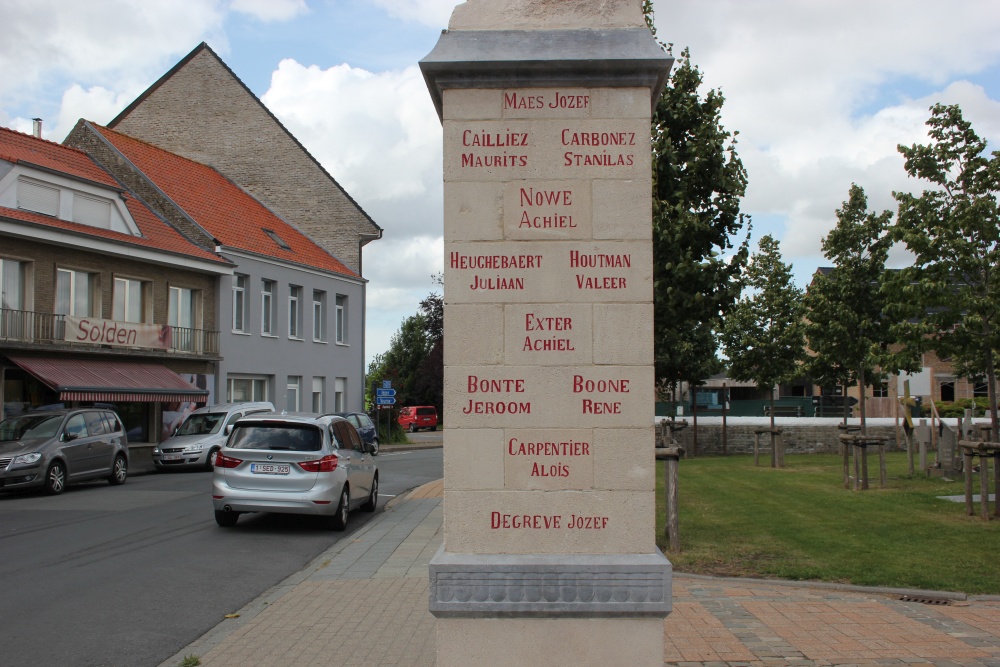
column 364, row 602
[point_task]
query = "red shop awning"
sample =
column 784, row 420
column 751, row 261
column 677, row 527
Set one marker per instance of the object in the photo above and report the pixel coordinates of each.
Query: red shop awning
column 111, row 380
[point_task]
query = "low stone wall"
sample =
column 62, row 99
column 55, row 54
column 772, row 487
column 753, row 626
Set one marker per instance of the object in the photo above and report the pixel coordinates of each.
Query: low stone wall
column 799, row 439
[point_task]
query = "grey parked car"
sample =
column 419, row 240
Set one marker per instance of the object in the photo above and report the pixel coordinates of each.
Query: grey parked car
column 52, row 448
column 196, row 441
column 294, row 464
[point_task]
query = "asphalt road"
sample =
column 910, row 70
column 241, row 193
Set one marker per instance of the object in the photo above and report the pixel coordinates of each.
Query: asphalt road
column 129, row 575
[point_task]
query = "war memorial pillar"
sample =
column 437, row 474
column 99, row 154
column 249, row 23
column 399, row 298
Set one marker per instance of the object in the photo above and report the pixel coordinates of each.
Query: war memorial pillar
column 549, row 555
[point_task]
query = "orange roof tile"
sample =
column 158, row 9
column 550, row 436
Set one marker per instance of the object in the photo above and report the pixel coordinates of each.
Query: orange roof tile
column 221, row 207
column 155, row 233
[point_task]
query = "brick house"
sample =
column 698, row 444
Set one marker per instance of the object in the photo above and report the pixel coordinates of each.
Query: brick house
column 201, row 110
column 289, row 315
column 102, row 299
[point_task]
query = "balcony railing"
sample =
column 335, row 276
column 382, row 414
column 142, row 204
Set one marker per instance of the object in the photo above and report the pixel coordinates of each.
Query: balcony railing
column 45, row 328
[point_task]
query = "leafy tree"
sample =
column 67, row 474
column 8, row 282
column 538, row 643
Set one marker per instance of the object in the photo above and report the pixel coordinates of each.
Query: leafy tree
column 953, row 230
column 406, row 352
column 851, row 338
column 429, row 383
column 698, row 181
column 763, row 334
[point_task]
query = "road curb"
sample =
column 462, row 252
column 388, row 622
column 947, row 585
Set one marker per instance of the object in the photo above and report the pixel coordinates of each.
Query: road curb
column 826, row 585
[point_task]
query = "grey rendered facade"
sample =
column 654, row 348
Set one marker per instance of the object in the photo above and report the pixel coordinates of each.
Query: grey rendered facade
column 317, row 366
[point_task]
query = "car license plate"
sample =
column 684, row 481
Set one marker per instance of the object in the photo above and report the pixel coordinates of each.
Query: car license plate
column 270, row 468
column 170, row 457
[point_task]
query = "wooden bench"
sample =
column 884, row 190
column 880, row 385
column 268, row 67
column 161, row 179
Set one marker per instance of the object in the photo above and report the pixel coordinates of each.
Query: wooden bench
column 784, row 411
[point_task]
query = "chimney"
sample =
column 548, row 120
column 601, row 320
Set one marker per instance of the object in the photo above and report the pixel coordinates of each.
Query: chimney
column 36, row 127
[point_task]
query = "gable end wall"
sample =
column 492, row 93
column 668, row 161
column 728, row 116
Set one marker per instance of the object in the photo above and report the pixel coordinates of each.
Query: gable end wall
column 204, row 113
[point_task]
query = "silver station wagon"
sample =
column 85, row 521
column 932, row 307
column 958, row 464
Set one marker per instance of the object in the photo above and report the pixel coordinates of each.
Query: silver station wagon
column 294, row 464
column 52, row 448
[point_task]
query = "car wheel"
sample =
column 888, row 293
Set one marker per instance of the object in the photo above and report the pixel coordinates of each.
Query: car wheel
column 413, row 428
column 372, row 497
column 55, row 479
column 209, row 465
column 119, row 471
column 434, row 428
column 375, row 447
column 226, row 519
column 339, row 520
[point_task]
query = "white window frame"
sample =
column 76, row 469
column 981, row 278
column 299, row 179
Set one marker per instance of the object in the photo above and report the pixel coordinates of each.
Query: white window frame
column 294, row 389
column 256, row 382
column 267, row 307
column 318, row 394
column 319, row 316
column 93, row 293
column 340, row 322
column 295, row 311
column 121, row 295
column 22, row 270
column 340, row 395
column 240, row 282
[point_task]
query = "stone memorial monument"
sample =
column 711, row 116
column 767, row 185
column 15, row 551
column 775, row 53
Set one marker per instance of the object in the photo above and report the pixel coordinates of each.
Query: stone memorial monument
column 549, row 555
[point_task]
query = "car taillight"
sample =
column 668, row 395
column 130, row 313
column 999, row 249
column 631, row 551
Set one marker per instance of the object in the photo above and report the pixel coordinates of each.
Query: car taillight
column 325, row 464
column 223, row 461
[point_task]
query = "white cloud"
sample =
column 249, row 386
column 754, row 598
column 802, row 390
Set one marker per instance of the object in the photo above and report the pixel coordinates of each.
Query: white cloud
column 434, row 13
column 271, row 10
column 112, row 43
column 377, row 134
column 820, row 94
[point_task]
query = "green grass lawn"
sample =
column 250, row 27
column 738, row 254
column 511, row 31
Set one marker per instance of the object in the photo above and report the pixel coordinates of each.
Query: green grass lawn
column 800, row 523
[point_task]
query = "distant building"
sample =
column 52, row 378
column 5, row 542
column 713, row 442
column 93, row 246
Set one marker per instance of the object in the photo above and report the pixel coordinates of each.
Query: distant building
column 290, row 330
column 103, row 301
column 201, row 110
column 211, row 158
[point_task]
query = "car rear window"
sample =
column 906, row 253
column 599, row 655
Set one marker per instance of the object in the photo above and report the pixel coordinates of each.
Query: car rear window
column 426, row 411
column 280, row 437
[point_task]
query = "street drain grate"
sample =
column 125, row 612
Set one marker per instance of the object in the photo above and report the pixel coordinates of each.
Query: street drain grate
column 924, row 599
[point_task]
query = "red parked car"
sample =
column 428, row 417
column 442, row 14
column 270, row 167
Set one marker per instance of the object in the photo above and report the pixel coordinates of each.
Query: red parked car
column 417, row 417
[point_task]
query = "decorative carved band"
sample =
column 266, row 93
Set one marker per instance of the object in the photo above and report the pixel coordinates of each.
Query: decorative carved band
column 472, row 585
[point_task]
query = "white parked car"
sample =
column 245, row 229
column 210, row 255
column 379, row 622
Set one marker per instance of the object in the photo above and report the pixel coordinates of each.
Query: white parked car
column 294, row 464
column 195, row 442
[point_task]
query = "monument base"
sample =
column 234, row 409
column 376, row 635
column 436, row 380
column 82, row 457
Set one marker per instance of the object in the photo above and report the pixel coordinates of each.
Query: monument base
column 548, row 585
column 569, row 642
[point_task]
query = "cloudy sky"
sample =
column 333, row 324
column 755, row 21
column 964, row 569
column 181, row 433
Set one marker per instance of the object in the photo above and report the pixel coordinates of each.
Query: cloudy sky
column 821, row 92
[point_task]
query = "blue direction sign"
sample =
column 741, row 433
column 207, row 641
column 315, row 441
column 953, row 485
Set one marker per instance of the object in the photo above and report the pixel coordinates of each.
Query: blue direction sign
column 385, row 400
column 384, row 393
column 387, row 384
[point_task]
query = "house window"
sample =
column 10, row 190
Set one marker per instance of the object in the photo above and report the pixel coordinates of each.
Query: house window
column 341, row 322
column 92, row 211
column 317, row 395
column 129, row 300
column 76, row 293
column 947, row 391
column 32, row 196
column 340, row 395
column 12, row 284
column 239, row 303
column 981, row 390
column 294, row 311
column 319, row 315
column 294, row 387
column 880, row 390
column 246, row 389
column 267, row 307
column 182, row 314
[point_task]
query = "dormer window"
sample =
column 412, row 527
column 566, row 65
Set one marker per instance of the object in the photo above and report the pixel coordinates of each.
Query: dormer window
column 32, row 196
column 74, row 202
